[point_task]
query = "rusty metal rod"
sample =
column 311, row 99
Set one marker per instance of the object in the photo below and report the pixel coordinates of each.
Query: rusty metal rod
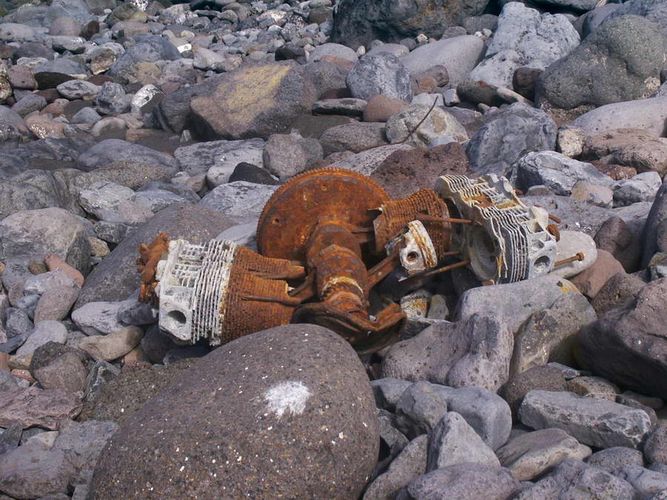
column 575, row 258
column 439, row 270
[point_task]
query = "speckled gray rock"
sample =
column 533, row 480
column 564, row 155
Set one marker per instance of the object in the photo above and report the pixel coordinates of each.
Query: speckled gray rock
column 627, row 345
column 596, row 422
column 48, row 230
column 641, row 187
column 530, row 454
column 509, row 134
column 524, row 37
column 240, row 201
column 620, row 61
column 472, row 353
column 419, row 125
column 575, row 479
column 304, row 393
column 381, row 74
column 110, row 151
column 419, row 409
column 453, row 441
column 555, row 171
column 464, row 481
column 407, row 466
column 286, row 155
column 550, row 334
column 655, row 448
column 221, row 156
column 388, row 391
column 616, row 458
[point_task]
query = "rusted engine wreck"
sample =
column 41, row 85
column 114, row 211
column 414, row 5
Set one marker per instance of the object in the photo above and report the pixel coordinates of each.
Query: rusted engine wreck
column 326, row 239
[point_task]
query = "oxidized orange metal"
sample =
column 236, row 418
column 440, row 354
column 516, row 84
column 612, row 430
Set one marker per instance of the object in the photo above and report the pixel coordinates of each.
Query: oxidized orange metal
column 149, row 256
column 291, row 214
column 424, row 205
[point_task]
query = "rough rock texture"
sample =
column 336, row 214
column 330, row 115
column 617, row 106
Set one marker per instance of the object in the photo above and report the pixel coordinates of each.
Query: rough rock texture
column 466, row 481
column 116, row 278
column 304, row 392
column 49, row 230
column 591, row 421
column 381, row 74
column 655, row 230
column 34, row 406
column 620, row 61
column 253, row 101
column 647, row 114
column 404, row 172
column 407, row 466
column 530, row 454
column 359, row 22
column 628, row 345
column 575, row 479
column 508, row 135
column 420, row 125
column 471, row 353
column 453, row 441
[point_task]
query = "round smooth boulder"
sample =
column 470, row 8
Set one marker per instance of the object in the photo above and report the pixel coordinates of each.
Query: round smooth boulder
column 284, row 413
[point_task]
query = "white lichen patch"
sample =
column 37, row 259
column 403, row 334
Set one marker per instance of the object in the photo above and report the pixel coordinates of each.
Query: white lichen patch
column 287, row 397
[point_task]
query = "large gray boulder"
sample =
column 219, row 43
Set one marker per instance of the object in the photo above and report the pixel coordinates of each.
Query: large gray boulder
column 471, row 353
column 459, row 55
column 381, row 74
column 508, row 135
column 620, row 61
column 525, row 37
column 116, row 277
column 628, row 345
column 358, row 22
column 45, row 231
column 286, row 412
column 592, row 421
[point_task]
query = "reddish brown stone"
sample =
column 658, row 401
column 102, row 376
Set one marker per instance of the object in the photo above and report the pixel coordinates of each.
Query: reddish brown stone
column 380, row 108
column 590, row 281
column 404, row 172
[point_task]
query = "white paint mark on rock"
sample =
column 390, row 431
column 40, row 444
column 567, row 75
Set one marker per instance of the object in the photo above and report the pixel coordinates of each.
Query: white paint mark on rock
column 290, row 396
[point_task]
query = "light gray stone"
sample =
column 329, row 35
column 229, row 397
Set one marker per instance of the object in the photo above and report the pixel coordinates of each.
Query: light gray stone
column 642, row 187
column 530, row 454
column 219, row 158
column 387, row 391
column 472, row 353
column 647, row 114
column 458, row 54
column 595, row 422
column 452, row 441
column 437, row 123
column 241, row 201
column 407, row 466
column 555, row 171
column 97, row 318
column 381, row 74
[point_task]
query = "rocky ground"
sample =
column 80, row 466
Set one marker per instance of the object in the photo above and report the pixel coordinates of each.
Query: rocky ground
column 122, row 119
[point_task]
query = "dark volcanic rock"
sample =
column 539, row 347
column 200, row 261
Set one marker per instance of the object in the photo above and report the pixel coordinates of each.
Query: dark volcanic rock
column 358, row 22
column 116, row 277
column 620, row 61
column 628, row 346
column 287, row 412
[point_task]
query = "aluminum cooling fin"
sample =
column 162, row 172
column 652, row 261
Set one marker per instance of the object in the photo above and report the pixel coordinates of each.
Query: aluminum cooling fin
column 505, row 240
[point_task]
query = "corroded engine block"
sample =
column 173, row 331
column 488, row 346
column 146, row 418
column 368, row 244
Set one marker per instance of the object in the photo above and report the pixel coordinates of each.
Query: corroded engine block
column 326, row 238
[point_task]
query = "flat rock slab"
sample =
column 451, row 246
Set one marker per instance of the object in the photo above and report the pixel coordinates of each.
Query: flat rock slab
column 531, row 453
column 34, row 406
column 595, row 422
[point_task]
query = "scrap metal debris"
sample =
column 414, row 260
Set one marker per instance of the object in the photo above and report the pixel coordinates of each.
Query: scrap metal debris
column 326, row 239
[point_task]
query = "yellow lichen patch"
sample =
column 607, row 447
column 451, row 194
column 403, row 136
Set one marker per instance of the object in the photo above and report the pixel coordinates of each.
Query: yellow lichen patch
column 245, row 95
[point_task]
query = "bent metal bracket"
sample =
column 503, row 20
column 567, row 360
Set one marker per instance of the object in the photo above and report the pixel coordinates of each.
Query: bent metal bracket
column 326, row 239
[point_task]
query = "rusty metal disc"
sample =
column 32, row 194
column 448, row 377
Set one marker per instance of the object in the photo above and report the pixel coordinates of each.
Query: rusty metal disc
column 290, row 215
